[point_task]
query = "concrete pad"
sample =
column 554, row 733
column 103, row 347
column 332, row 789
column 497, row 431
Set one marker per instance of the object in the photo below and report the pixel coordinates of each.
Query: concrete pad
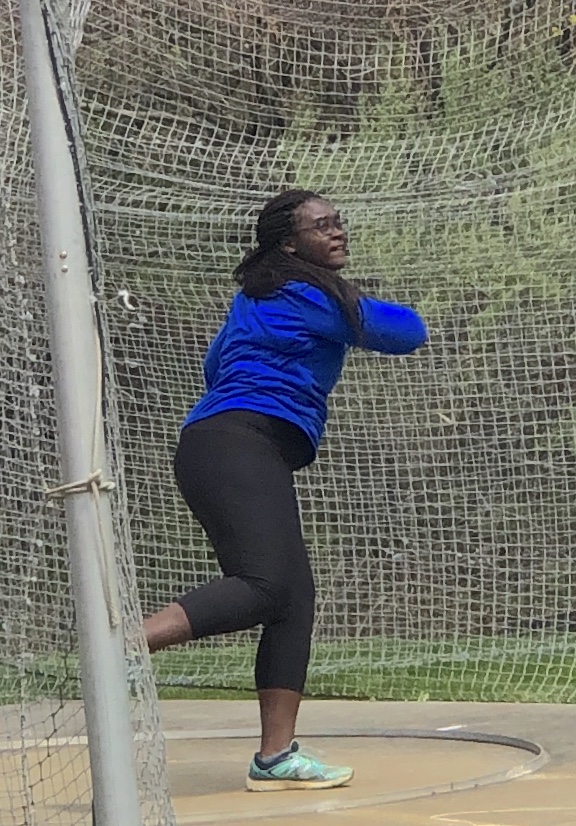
column 208, row 778
column 59, row 786
column 546, row 798
column 399, row 781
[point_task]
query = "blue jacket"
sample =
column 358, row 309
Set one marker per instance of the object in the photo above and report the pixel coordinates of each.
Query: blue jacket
column 282, row 355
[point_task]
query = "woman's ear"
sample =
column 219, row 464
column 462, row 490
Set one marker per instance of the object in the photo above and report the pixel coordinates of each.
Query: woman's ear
column 289, row 248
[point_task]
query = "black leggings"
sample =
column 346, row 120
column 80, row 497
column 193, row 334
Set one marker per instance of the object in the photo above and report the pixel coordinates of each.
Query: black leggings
column 234, row 471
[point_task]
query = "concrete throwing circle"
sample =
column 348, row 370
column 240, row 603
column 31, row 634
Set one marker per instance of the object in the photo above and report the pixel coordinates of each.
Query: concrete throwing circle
column 207, row 772
column 391, row 766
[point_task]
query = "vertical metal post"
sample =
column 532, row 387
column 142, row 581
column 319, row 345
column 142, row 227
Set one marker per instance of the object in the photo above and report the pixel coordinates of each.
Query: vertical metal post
column 75, row 358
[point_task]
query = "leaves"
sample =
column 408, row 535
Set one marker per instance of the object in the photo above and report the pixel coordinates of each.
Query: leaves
column 441, row 501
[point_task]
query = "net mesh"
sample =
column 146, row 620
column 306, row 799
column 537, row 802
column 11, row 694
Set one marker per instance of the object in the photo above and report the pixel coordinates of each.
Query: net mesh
column 43, row 749
column 439, row 513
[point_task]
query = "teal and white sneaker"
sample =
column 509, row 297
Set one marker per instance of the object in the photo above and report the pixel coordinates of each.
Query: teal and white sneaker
column 295, row 770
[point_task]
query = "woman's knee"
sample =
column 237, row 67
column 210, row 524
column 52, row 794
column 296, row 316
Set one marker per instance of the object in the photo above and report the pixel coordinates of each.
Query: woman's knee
column 275, row 595
column 281, row 595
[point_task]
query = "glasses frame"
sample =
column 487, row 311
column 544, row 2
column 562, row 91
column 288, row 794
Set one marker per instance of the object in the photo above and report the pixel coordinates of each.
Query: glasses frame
column 326, row 226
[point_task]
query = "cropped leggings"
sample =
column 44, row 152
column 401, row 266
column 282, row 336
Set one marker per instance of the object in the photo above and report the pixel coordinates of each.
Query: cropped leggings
column 235, row 472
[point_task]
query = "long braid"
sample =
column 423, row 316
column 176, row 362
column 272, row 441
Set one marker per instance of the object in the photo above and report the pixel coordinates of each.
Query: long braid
column 266, row 267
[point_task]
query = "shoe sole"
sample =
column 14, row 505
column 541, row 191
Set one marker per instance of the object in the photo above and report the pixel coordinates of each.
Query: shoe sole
column 254, row 785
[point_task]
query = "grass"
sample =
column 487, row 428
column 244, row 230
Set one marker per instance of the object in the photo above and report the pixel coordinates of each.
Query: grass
column 482, row 669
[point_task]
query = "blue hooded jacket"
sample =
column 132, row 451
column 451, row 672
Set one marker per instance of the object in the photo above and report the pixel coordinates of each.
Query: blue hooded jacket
column 282, row 355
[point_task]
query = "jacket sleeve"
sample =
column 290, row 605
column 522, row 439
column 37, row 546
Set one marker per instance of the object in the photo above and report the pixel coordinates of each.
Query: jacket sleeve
column 385, row 327
column 390, row 328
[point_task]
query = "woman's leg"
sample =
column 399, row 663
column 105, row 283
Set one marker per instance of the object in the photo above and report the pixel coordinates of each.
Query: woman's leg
column 225, row 478
column 242, row 492
column 278, row 714
column 268, row 581
column 284, row 649
column 169, row 626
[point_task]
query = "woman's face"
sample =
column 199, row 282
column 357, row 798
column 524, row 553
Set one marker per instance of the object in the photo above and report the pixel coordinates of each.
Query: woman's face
column 319, row 236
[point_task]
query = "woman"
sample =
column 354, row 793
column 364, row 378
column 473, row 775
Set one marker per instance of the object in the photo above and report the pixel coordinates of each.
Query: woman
column 268, row 374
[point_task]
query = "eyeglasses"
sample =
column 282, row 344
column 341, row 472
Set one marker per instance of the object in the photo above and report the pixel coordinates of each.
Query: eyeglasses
column 326, row 225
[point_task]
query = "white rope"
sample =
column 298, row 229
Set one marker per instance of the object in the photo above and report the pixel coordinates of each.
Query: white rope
column 84, row 486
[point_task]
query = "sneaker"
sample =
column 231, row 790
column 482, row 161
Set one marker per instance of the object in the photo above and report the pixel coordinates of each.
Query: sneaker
column 295, row 770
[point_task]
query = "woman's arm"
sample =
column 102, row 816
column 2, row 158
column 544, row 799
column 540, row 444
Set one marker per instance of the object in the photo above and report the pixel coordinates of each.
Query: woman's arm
column 390, row 328
column 385, row 327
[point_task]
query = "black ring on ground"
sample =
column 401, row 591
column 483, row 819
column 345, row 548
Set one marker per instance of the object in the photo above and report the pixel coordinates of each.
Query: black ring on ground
column 539, row 758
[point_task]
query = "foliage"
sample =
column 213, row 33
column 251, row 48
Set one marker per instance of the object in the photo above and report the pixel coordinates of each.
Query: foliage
column 441, row 505
column 456, row 494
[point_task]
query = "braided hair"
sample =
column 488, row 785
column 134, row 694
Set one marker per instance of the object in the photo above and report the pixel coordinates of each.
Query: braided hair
column 267, row 267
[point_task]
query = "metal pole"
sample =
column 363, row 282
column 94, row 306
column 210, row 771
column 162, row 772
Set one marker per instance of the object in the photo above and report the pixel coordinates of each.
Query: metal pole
column 76, row 370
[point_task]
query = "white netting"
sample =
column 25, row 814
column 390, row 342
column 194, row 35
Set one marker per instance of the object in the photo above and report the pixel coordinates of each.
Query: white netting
column 439, row 515
column 43, row 753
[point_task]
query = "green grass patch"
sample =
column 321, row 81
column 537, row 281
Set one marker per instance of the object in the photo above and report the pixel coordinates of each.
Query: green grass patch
column 482, row 669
